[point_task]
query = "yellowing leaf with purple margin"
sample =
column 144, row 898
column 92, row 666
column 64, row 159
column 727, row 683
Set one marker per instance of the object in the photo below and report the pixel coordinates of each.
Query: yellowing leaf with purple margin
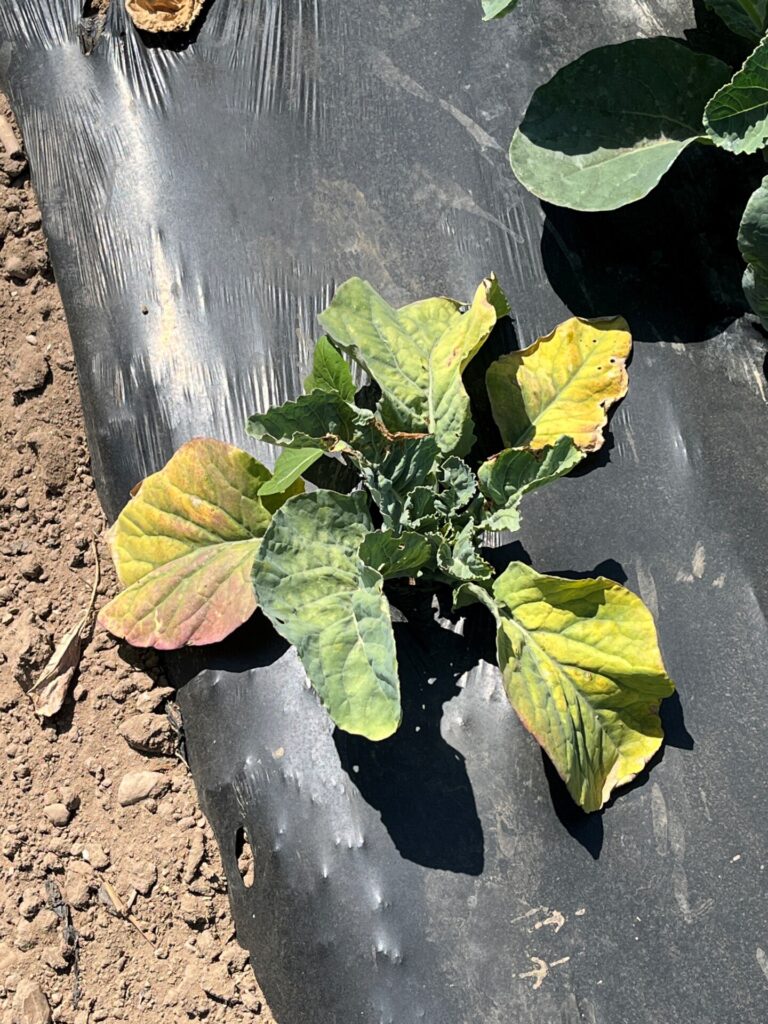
column 208, row 493
column 199, row 598
column 184, row 546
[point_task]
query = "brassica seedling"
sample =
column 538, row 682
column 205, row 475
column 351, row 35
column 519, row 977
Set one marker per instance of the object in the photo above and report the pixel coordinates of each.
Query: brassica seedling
column 214, row 534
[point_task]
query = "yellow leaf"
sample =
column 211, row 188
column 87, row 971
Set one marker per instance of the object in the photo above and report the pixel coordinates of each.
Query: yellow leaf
column 562, row 385
column 583, row 670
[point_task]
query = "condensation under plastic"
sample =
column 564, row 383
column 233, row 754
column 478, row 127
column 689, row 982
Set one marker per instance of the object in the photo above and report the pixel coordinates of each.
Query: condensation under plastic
column 202, row 201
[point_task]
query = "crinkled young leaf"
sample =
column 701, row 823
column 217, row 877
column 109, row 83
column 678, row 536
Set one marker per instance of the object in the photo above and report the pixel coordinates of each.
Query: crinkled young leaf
column 458, row 486
column 748, row 18
column 461, row 561
column 184, row 546
column 497, row 8
column 291, row 464
column 582, row 669
column 607, row 127
column 330, row 372
column 396, row 554
column 321, row 596
column 508, row 476
column 320, row 420
column 753, row 243
column 420, row 510
column 562, row 385
column 736, row 117
column 391, row 345
column 392, row 469
column 416, row 354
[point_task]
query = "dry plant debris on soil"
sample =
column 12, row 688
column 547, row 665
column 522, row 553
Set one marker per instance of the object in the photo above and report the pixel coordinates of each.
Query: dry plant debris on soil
column 113, row 904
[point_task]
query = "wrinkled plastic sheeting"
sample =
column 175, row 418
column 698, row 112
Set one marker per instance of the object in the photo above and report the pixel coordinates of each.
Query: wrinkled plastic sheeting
column 202, row 200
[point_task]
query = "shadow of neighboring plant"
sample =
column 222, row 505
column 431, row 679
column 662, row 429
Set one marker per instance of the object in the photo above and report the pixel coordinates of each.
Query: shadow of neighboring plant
column 669, row 263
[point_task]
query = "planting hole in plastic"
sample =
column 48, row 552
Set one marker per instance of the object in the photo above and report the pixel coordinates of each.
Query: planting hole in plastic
column 244, row 855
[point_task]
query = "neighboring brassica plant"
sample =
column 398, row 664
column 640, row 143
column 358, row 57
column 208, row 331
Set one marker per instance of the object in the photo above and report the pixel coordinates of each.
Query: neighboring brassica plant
column 607, row 127
column 215, row 533
column 497, row 8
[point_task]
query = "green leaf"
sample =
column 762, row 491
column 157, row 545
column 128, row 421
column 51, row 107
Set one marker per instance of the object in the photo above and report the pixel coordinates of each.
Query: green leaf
column 508, row 476
column 582, row 669
column 330, row 372
column 396, row 554
column 562, row 385
column 748, row 18
column 753, row 243
column 321, row 596
column 184, row 546
column 461, row 560
column 320, row 420
column 290, row 465
column 503, row 520
column 416, row 354
column 607, row 127
column 497, row 8
column 736, row 117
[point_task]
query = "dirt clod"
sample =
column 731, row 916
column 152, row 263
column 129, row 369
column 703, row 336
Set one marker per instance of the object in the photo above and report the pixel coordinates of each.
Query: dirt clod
column 58, row 814
column 29, row 371
column 149, row 734
column 30, row 1004
column 137, row 786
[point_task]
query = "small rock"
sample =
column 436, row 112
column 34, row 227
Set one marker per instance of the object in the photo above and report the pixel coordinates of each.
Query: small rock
column 30, row 1004
column 137, row 786
column 9, row 960
column 41, row 931
column 23, row 260
column 69, row 798
column 217, row 984
column 96, row 856
column 30, row 568
column 251, row 1002
column 57, row 814
column 31, row 903
column 55, row 956
column 148, row 733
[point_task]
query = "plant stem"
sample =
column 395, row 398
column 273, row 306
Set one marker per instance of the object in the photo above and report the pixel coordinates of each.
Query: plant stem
column 752, row 12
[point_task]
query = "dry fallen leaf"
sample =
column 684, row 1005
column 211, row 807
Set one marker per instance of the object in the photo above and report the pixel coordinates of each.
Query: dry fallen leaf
column 114, row 904
column 52, row 685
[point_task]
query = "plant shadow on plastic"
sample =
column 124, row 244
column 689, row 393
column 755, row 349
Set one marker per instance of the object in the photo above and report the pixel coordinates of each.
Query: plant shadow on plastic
column 415, row 779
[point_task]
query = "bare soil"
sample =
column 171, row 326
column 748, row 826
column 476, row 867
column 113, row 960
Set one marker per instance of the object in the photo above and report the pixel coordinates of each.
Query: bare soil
column 107, row 912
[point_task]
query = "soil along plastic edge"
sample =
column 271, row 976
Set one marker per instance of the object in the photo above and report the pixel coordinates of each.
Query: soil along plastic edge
column 198, row 220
